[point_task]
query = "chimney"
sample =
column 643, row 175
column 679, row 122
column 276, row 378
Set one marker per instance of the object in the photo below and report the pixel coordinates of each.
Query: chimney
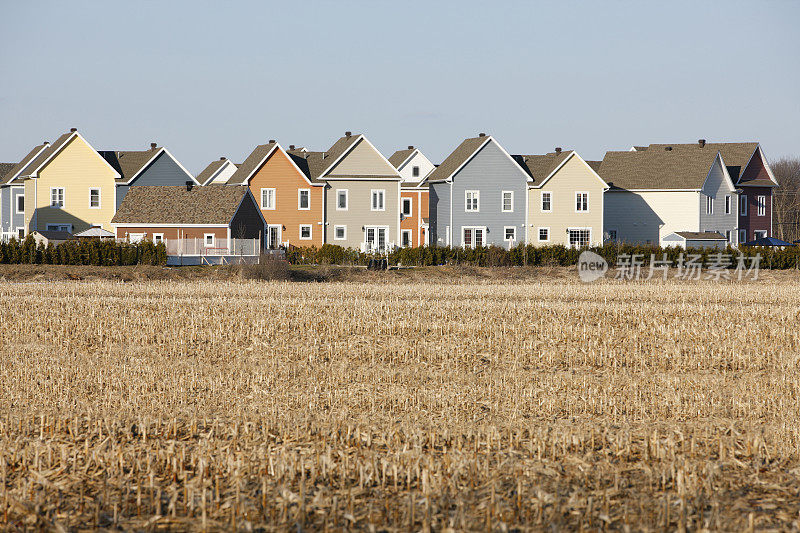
column 558, row 149
column 411, row 147
column 481, row 135
column 348, row 133
column 189, row 185
column 73, row 130
column 153, row 146
column 701, row 142
column 223, row 158
column 272, row 141
column 291, row 147
column 668, row 148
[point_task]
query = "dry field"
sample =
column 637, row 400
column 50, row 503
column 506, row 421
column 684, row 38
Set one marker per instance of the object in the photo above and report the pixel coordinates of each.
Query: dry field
column 464, row 405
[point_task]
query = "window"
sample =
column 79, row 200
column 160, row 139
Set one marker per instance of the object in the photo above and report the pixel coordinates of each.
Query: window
column 581, row 202
column 742, row 235
column 415, row 171
column 447, row 235
column 510, row 233
column 378, row 198
column 303, row 198
column 547, row 202
column 305, row 232
column 20, row 204
column 21, row 233
column 158, row 238
column 709, row 205
column 761, row 202
column 405, row 238
column 375, row 238
column 727, row 204
column 60, row 227
column 94, row 198
column 472, row 201
column 759, row 234
column 728, row 236
column 474, row 237
column 340, row 233
column 341, row 200
column 743, row 206
column 267, row 198
column 208, row 238
column 57, row 197
column 133, row 238
column 579, row 238
column 406, row 207
column 544, row 234
column 508, row 201
column 612, row 235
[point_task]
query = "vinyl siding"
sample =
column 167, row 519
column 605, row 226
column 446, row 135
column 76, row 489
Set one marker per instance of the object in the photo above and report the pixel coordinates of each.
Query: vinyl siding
column 424, row 164
column 439, row 208
column 224, row 174
column 575, row 176
column 490, row 171
column 638, row 217
column 171, row 232
column 362, row 160
column 752, row 222
column 247, row 223
column 11, row 220
column 419, row 210
column 77, row 168
column 716, row 188
column 163, row 171
column 359, row 213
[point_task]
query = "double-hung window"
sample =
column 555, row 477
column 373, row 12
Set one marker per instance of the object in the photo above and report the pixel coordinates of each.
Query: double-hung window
column 305, row 232
column 57, row 197
column 472, row 201
column 341, row 200
column 20, row 204
column 415, row 171
column 378, row 200
column 267, row 198
column 508, row 201
column 762, row 205
column 94, row 198
column 709, row 205
column 743, row 205
column 547, row 202
column 544, row 234
column 209, row 239
column 406, row 207
column 727, row 204
column 303, row 199
column 510, row 233
column 581, row 202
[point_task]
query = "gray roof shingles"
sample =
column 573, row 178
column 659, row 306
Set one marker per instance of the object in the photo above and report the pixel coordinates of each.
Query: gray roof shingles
column 170, row 204
column 458, row 157
column 657, row 169
column 127, row 162
column 250, row 164
column 538, row 167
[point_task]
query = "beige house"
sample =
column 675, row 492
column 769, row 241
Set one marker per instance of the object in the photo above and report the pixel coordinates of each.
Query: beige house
column 69, row 187
column 565, row 200
column 362, row 193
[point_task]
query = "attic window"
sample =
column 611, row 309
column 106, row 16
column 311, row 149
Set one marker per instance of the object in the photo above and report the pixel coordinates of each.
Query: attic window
column 415, row 171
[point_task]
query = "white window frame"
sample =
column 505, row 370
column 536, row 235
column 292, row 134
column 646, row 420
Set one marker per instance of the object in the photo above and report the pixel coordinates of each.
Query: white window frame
column 512, row 228
column 759, row 234
column 16, row 204
column 20, row 233
column 63, row 197
column 577, row 195
column 415, row 171
column 135, row 238
column 709, row 205
column 403, row 206
column 743, row 205
column 503, row 201
column 300, row 195
column 344, row 233
column 213, row 240
column 157, row 236
column 410, row 234
column 761, row 205
column 60, row 227
column 742, row 235
column 727, row 204
column 346, row 194
column 473, row 228
column 99, row 196
column 539, row 234
column 549, row 201
column 310, row 232
column 588, row 242
column 477, row 197
column 377, row 194
column 274, row 198
column 616, row 233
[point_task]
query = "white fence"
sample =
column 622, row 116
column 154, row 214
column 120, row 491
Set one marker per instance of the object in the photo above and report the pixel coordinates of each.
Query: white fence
column 215, row 248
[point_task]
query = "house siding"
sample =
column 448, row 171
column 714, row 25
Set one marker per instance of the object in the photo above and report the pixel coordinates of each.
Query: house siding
column 362, row 160
column 417, row 160
column 11, row 220
column 419, row 210
column 439, row 209
column 716, row 188
column 163, row 171
column 247, row 222
column 359, row 213
column 647, row 217
column 171, row 232
column 575, row 176
column 752, row 222
column 490, row 171
column 77, row 168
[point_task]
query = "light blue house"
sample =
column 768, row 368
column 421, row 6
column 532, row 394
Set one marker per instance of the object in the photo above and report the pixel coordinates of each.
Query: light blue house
column 478, row 197
column 12, row 194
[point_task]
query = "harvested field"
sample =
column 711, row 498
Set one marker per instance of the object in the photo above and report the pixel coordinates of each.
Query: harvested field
column 469, row 404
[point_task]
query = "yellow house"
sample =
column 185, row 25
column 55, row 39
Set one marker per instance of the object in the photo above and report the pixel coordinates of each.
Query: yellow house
column 69, row 187
column 565, row 200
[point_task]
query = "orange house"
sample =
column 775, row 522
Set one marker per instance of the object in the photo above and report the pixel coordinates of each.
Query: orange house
column 414, row 169
column 292, row 204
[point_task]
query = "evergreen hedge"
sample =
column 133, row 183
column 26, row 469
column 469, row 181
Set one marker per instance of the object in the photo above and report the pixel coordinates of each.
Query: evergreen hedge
column 83, row 252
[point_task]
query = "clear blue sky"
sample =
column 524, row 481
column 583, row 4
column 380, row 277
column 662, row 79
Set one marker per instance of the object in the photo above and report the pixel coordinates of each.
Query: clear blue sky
column 208, row 79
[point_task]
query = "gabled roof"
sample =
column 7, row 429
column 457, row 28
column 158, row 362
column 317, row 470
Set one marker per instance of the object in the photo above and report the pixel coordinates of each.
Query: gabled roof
column 312, row 164
column 594, row 165
column 736, row 155
column 210, row 170
column 657, row 169
column 539, row 167
column 251, row 164
column 401, row 156
column 51, row 235
column 17, row 168
column 458, row 157
column 5, row 168
column 171, row 204
column 130, row 163
column 316, row 165
column 31, row 162
column 94, row 232
column 701, row 235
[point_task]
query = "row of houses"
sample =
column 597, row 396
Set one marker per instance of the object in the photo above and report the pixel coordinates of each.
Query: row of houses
column 698, row 194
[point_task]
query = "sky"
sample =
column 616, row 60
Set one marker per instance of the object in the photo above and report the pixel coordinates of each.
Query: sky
column 212, row 79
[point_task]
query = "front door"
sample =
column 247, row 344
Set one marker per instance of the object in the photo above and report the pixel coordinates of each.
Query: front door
column 273, row 237
column 375, row 238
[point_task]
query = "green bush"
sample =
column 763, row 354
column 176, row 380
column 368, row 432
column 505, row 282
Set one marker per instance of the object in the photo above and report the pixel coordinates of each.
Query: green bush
column 83, row 252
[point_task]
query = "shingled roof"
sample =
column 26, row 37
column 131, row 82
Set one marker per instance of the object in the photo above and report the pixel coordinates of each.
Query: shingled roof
column 701, row 235
column 170, row 204
column 5, row 168
column 458, row 157
column 251, row 164
column 16, row 168
column 209, row 171
column 539, row 167
column 31, row 162
column 400, row 156
column 314, row 164
column 657, row 169
column 128, row 162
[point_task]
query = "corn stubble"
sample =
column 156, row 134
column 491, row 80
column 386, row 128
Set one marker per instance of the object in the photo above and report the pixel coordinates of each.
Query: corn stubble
column 400, row 406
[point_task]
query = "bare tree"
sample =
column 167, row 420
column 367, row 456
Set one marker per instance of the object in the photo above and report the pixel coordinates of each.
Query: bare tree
column 786, row 198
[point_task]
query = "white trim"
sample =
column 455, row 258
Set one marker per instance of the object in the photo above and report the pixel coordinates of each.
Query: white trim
column 69, row 139
column 589, row 229
column 278, row 240
column 310, row 232
column 248, row 192
column 709, row 204
column 528, row 179
column 473, row 228
column 58, row 225
column 539, row 235
column 477, row 194
column 299, row 208
column 506, row 228
column 764, row 161
column 405, row 161
column 139, row 237
column 620, row 190
column 541, row 202
column 410, row 203
column 158, row 235
column 99, row 197
column 410, row 234
column 213, row 240
column 382, row 196
column 344, row 235
column 741, row 238
column 156, row 225
column 217, row 172
column 576, row 202
column 37, row 154
column 728, row 204
column 564, row 162
column 761, row 206
column 63, row 197
column 346, row 199
column 503, row 201
column 274, row 198
column 360, row 137
column 743, row 204
column 152, row 159
column 16, row 202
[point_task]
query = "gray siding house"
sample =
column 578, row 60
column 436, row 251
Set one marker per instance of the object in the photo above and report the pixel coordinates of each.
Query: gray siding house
column 478, row 197
column 147, row 167
column 12, row 195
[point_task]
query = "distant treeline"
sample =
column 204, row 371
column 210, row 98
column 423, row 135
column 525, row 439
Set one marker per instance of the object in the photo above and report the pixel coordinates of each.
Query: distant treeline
column 553, row 255
column 83, row 252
